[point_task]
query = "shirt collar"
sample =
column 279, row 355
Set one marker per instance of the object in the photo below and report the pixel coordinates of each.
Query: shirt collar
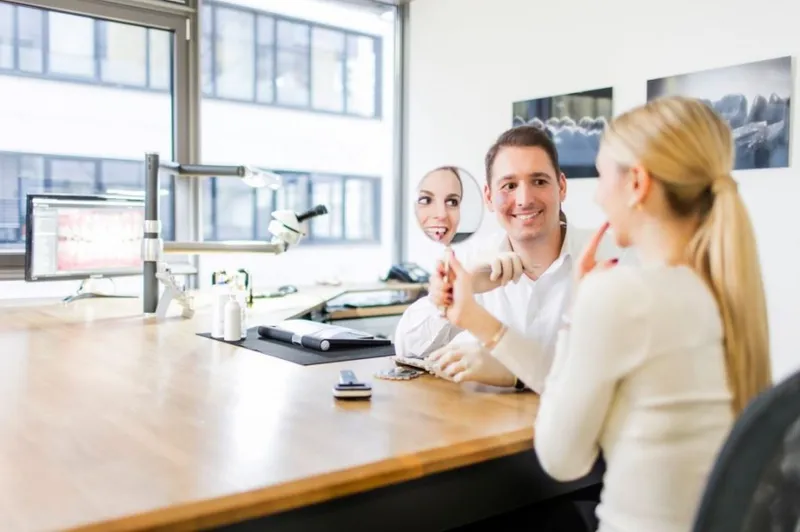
column 570, row 248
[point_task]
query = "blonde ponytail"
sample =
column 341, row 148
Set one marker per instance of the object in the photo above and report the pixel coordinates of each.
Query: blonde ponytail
column 723, row 251
column 688, row 148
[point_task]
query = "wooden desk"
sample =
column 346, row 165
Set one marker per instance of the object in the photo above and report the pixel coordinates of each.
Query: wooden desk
column 113, row 421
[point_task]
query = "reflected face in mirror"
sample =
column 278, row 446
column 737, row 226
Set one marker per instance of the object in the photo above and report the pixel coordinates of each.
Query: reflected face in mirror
column 438, row 204
column 448, row 205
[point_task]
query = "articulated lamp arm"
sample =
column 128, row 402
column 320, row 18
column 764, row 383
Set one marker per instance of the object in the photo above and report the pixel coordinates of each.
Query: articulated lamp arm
column 286, row 226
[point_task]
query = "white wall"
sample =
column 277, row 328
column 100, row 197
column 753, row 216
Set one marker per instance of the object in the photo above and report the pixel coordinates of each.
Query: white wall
column 470, row 59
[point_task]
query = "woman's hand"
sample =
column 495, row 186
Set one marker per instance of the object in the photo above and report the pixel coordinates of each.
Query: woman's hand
column 588, row 259
column 440, row 289
column 451, row 289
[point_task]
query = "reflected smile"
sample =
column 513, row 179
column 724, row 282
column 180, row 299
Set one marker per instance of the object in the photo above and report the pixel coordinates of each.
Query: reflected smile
column 437, row 232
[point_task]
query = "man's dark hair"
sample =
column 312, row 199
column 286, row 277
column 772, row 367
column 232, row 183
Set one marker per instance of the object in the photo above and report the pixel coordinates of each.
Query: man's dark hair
column 527, row 136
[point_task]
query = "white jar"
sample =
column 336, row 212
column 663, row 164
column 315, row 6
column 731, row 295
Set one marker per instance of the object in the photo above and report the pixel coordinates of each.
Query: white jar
column 233, row 320
column 220, row 294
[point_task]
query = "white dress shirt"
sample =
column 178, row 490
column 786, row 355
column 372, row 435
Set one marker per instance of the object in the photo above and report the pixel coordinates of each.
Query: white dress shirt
column 639, row 373
column 533, row 308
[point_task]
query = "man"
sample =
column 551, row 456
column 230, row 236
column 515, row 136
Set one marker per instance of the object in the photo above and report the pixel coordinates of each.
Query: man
column 524, row 189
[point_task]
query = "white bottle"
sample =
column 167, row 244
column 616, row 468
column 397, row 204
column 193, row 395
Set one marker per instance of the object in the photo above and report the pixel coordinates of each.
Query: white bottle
column 220, row 294
column 233, row 320
column 243, row 306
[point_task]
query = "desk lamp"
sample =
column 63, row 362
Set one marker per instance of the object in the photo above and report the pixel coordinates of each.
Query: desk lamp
column 285, row 227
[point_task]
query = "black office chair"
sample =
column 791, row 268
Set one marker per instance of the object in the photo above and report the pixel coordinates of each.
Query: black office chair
column 754, row 485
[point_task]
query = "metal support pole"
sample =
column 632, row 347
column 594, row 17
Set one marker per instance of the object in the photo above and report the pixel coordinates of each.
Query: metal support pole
column 207, row 170
column 151, row 244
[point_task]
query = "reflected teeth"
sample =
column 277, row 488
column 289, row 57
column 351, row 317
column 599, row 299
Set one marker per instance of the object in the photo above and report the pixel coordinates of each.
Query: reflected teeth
column 437, row 232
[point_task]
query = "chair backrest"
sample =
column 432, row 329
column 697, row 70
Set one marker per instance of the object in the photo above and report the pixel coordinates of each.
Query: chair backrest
column 754, row 485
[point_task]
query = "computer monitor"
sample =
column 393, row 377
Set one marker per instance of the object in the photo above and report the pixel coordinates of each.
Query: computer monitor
column 81, row 237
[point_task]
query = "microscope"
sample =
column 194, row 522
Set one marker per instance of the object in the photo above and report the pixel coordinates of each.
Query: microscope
column 286, row 228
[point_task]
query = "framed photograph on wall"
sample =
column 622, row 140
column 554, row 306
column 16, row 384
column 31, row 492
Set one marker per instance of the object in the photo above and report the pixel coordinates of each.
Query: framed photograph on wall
column 755, row 100
column 575, row 121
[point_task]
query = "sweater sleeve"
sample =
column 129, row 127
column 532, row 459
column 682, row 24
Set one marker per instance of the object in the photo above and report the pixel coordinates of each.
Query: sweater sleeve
column 608, row 337
column 523, row 357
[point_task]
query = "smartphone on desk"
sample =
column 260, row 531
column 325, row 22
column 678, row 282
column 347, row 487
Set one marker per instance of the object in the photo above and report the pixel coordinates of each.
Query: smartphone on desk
column 349, row 387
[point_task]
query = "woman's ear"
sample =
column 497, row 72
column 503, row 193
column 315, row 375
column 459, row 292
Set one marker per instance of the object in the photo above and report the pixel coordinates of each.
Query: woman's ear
column 639, row 183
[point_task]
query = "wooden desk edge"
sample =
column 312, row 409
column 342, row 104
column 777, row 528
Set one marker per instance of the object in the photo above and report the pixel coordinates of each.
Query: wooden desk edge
column 305, row 492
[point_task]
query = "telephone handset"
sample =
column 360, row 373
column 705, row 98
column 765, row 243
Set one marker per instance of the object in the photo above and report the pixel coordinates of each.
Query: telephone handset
column 407, row 272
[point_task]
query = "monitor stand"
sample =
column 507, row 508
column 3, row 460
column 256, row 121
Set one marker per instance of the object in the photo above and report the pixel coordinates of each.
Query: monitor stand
column 87, row 291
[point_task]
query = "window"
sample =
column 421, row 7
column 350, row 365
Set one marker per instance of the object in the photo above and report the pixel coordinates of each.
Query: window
column 83, row 49
column 266, row 58
column 123, row 53
column 72, row 176
column 246, row 55
column 308, row 55
column 361, row 75
column 30, row 39
column 31, row 173
column 207, row 49
column 292, row 76
column 328, row 69
column 6, row 36
column 234, row 211
column 235, row 54
column 69, row 137
column 159, row 62
column 71, row 45
column 362, row 199
column 328, row 192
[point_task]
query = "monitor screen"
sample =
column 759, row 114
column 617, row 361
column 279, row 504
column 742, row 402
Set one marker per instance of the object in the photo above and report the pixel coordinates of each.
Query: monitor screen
column 77, row 237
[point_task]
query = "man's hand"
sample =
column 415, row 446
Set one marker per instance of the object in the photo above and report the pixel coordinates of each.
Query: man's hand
column 506, row 267
column 469, row 362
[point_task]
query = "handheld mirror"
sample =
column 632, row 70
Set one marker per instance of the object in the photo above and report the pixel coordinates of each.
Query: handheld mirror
column 448, row 206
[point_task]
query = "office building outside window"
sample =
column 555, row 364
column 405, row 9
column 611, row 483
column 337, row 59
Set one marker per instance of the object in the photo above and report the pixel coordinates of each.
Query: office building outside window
column 71, row 123
column 304, row 88
column 300, row 87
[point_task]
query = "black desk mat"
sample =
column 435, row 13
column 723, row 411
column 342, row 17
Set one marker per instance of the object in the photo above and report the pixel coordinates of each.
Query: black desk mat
column 301, row 355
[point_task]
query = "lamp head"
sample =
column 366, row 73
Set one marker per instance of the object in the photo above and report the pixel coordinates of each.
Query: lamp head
column 258, row 178
column 287, row 226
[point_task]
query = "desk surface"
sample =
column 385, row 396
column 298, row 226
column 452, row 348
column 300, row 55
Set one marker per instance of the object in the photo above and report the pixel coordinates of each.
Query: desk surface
column 112, row 420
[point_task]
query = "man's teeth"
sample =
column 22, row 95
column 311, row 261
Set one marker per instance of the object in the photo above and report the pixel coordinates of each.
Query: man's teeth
column 528, row 216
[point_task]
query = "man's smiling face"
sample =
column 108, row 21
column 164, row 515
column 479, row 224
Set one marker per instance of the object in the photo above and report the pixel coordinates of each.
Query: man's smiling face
column 525, row 192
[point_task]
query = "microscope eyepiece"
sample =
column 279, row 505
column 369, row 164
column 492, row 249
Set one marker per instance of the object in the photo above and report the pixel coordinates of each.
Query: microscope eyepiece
column 311, row 213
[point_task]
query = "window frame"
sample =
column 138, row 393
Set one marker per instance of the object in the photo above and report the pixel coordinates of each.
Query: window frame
column 100, row 48
column 47, row 160
column 292, row 176
column 377, row 40
column 184, row 19
column 179, row 20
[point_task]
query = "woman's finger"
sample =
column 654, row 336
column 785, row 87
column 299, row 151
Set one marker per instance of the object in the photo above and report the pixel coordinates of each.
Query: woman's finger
column 590, row 251
column 605, row 265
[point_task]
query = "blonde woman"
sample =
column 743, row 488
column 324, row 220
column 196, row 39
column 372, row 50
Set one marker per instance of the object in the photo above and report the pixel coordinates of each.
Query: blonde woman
column 655, row 360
